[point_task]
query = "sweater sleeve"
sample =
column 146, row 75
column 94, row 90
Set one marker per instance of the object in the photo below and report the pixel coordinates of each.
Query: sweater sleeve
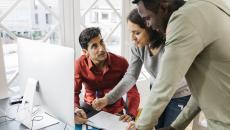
column 133, row 101
column 77, row 84
column 128, row 80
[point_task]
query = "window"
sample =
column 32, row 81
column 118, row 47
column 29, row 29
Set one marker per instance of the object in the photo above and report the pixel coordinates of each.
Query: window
column 94, row 17
column 113, row 17
column 27, row 20
column 104, row 16
column 35, row 7
column 48, row 18
column 97, row 13
column 36, row 18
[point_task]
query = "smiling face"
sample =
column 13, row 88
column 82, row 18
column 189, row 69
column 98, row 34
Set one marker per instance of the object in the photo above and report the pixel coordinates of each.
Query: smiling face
column 139, row 35
column 96, row 50
column 156, row 19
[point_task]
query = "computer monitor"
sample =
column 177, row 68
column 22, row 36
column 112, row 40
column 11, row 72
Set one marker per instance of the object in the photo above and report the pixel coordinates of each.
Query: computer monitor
column 53, row 67
column 3, row 81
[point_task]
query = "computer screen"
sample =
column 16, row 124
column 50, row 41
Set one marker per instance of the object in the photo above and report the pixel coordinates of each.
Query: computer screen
column 53, row 67
column 3, row 82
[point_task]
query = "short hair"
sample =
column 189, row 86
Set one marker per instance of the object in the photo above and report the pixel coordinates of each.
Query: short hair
column 87, row 35
column 156, row 38
column 152, row 5
column 135, row 1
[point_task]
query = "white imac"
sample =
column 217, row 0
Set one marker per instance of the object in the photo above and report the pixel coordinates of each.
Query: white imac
column 3, row 81
column 53, row 67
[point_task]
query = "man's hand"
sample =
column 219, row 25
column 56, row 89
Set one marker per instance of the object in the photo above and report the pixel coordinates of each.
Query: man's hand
column 167, row 128
column 100, row 103
column 131, row 126
column 80, row 116
column 125, row 118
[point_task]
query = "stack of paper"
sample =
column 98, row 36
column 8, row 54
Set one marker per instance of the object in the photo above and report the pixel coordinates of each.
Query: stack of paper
column 107, row 121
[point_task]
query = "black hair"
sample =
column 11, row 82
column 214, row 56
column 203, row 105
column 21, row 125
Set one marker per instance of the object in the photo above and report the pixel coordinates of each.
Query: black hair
column 153, row 5
column 87, row 34
column 156, row 38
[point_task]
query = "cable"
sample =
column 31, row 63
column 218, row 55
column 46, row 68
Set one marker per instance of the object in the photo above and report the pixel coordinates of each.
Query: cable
column 34, row 112
column 65, row 126
column 34, row 119
column 34, row 115
column 6, row 117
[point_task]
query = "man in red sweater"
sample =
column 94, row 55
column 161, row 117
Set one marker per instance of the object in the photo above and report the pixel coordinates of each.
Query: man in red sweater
column 99, row 71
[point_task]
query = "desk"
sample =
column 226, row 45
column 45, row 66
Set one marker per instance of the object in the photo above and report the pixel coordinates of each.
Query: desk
column 15, row 125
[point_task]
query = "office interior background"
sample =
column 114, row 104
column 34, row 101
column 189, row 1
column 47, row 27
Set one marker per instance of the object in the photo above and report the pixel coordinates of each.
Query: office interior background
column 59, row 22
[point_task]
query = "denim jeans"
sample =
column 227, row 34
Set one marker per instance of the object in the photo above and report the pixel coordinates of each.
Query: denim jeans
column 171, row 111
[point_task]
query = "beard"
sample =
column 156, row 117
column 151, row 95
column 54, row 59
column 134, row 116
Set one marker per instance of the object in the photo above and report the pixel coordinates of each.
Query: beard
column 161, row 23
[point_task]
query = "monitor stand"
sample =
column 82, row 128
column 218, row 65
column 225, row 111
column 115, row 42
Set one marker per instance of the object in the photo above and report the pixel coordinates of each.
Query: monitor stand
column 30, row 116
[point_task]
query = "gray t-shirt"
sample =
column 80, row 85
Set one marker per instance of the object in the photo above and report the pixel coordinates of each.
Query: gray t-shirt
column 140, row 56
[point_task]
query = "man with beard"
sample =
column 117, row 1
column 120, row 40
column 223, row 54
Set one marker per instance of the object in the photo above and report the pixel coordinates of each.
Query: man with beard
column 197, row 47
column 197, row 42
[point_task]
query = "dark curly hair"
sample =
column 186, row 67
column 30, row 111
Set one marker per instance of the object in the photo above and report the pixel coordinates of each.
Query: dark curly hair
column 87, row 34
column 156, row 38
column 149, row 4
column 153, row 5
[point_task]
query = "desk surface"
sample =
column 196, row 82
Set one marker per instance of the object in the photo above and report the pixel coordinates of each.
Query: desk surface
column 15, row 125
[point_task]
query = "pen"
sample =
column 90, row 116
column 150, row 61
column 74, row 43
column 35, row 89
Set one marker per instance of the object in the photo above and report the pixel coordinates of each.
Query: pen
column 90, row 121
column 97, row 94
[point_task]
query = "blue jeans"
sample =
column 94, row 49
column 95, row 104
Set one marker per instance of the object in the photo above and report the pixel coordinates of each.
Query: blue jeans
column 171, row 111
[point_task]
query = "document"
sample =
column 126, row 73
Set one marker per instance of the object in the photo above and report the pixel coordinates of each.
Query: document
column 107, row 121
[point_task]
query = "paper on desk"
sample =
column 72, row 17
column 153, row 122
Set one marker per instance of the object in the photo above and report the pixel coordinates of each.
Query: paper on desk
column 107, row 121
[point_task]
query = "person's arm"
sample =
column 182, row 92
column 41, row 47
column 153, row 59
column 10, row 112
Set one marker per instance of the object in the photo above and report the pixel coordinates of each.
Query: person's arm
column 183, row 44
column 77, row 84
column 187, row 115
column 80, row 115
column 133, row 101
column 129, row 79
column 131, row 74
